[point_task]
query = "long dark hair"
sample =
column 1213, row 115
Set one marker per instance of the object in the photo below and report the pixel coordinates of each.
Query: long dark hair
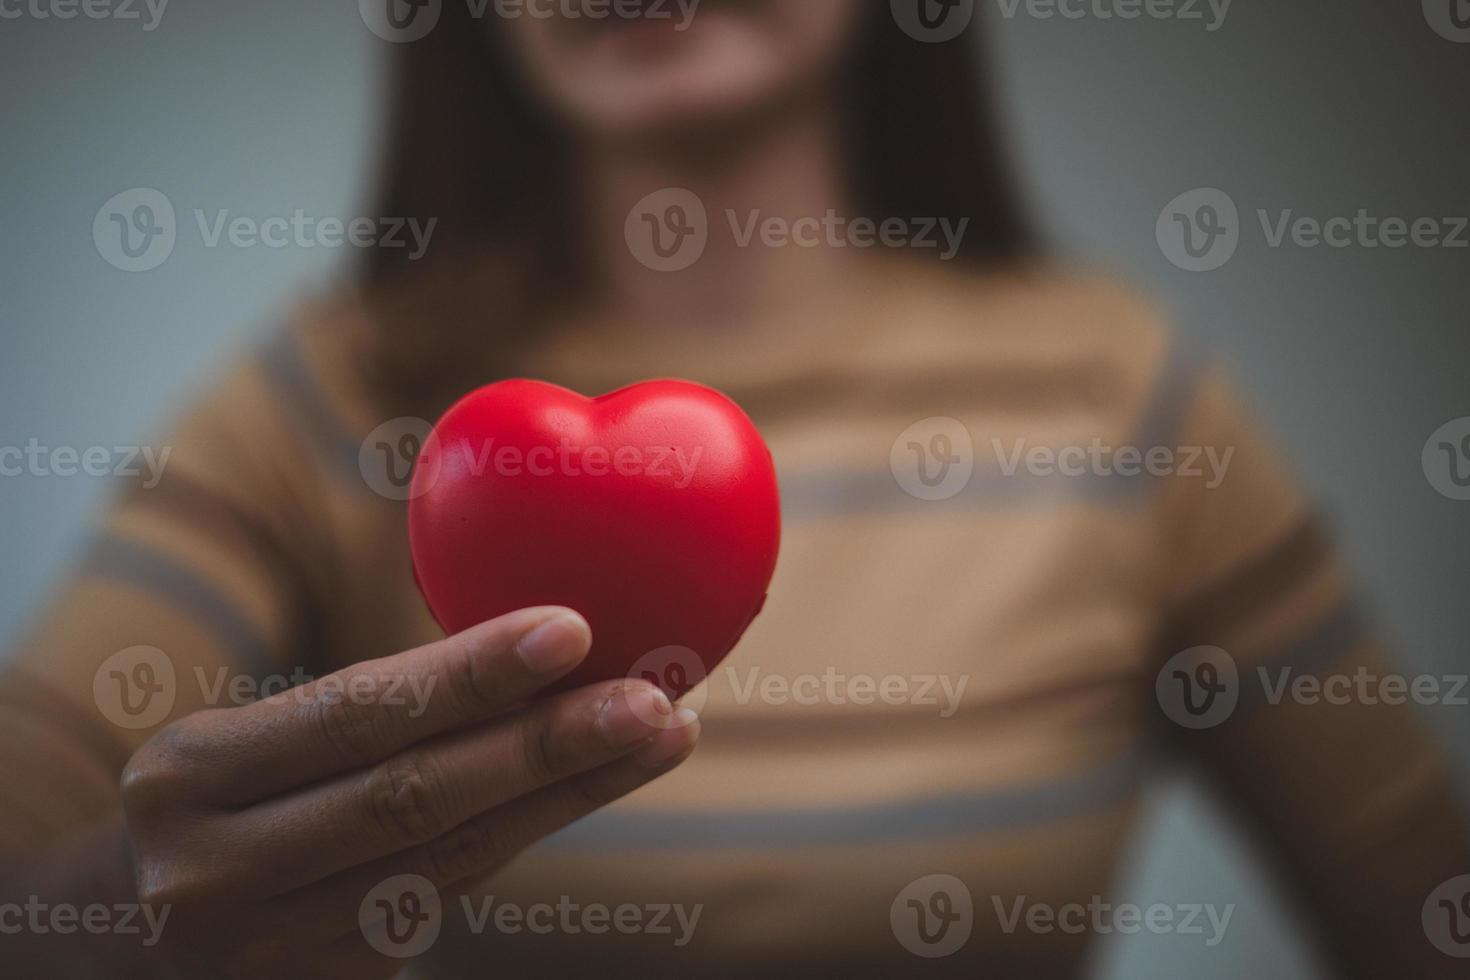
column 469, row 144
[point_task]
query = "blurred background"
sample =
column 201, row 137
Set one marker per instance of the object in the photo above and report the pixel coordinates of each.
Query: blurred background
column 1353, row 355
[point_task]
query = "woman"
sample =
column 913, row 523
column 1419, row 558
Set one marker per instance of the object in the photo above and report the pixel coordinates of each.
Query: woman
column 984, row 650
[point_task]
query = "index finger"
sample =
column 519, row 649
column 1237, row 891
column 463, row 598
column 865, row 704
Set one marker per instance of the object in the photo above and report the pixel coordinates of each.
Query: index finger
column 370, row 711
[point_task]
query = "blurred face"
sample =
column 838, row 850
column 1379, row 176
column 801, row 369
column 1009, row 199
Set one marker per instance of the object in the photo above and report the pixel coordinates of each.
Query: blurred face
column 620, row 68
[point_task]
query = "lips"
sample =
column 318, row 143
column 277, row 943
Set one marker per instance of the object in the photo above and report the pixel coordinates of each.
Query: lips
column 642, row 17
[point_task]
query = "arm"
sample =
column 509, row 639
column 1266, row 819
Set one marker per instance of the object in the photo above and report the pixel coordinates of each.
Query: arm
column 1343, row 788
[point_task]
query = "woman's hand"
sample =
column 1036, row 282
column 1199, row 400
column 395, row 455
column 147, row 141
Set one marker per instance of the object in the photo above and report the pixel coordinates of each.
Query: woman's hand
column 264, row 828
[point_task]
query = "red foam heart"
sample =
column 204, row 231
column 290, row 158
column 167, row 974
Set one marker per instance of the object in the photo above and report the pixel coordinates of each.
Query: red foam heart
column 653, row 511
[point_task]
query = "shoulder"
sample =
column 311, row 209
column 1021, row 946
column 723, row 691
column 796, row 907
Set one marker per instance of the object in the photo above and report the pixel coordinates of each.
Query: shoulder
column 281, row 419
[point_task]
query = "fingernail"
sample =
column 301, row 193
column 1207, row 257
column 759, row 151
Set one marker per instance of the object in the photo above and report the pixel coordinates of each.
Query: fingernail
column 558, row 644
column 633, row 714
column 679, row 739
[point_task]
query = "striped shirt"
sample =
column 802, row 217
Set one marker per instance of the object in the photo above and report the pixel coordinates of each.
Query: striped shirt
column 1009, row 501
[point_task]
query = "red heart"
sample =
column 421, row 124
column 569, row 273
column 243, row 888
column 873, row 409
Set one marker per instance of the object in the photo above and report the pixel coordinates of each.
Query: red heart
column 652, row 510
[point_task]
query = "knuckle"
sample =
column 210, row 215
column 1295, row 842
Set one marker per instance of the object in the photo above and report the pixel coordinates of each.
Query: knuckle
column 173, row 883
column 139, row 777
column 589, row 793
column 160, row 767
column 542, row 753
column 469, row 679
column 410, row 799
column 472, row 848
column 351, row 728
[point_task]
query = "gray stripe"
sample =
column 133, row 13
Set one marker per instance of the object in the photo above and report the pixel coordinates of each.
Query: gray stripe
column 923, row 819
column 1328, row 642
column 816, row 494
column 285, row 364
column 140, row 566
column 1172, row 396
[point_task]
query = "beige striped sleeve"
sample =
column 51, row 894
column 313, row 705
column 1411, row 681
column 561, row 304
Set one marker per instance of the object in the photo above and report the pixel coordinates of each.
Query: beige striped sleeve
column 205, row 578
column 1271, row 676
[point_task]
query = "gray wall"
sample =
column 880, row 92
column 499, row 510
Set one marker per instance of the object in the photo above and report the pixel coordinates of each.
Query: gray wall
column 1354, row 356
